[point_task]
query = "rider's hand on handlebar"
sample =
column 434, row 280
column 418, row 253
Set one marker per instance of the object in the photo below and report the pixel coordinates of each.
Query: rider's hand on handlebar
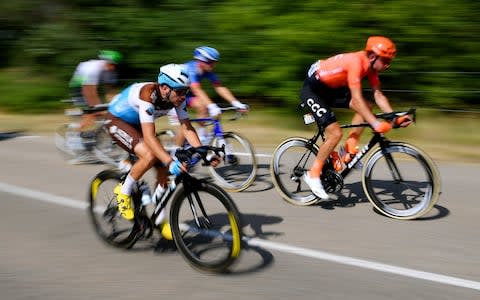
column 214, row 161
column 402, row 121
column 214, row 110
column 381, row 126
column 176, row 167
column 240, row 106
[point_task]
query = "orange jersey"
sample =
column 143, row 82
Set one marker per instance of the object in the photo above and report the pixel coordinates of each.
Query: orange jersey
column 346, row 69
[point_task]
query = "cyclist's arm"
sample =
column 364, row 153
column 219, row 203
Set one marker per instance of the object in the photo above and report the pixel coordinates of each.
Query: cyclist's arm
column 90, row 94
column 225, row 93
column 147, row 122
column 381, row 100
column 200, row 94
column 153, row 143
column 190, row 133
column 359, row 104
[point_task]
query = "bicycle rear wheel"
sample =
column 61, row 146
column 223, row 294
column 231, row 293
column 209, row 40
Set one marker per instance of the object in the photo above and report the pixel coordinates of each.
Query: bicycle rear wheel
column 106, row 149
column 238, row 169
column 206, row 228
column 289, row 162
column 401, row 181
column 103, row 212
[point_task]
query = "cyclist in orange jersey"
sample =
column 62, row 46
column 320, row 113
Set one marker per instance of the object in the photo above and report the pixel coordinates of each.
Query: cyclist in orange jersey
column 336, row 82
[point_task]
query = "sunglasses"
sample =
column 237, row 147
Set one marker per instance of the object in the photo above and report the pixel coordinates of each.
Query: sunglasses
column 386, row 61
column 182, row 92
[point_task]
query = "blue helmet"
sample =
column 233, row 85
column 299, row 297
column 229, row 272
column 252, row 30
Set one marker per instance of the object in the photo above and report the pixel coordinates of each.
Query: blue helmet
column 206, row 54
column 174, row 76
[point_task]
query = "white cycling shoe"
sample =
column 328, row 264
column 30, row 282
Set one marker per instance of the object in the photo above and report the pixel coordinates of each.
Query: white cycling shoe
column 315, row 185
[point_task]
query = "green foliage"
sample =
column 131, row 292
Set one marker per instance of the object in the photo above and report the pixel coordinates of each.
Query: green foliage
column 19, row 96
column 266, row 46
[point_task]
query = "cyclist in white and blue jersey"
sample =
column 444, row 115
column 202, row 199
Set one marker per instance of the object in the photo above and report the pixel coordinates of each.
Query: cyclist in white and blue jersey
column 131, row 123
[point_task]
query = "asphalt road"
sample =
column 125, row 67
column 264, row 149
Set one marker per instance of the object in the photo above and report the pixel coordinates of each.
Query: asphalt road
column 336, row 250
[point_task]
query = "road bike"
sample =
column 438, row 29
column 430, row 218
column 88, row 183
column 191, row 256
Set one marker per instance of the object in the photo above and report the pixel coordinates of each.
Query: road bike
column 204, row 221
column 91, row 146
column 238, row 169
column 399, row 179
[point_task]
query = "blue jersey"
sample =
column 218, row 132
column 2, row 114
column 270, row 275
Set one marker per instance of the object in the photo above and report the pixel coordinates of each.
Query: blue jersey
column 196, row 76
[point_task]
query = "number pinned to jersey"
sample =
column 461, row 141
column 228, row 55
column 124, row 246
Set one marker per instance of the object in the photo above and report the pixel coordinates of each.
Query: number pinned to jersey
column 308, row 118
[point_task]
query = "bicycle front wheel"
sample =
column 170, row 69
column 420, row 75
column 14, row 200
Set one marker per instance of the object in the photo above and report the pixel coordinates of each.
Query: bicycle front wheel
column 206, row 228
column 103, row 212
column 238, row 169
column 401, row 181
column 289, row 162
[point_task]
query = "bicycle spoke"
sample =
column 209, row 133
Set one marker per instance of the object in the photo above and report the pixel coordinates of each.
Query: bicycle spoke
column 401, row 181
column 203, row 228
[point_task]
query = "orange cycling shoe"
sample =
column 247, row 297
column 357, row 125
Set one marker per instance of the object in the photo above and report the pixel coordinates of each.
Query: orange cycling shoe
column 350, row 149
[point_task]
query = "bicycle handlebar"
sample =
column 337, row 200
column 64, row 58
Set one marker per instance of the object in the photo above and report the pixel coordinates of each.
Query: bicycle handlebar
column 185, row 155
column 386, row 116
column 238, row 113
column 392, row 115
column 95, row 108
column 88, row 109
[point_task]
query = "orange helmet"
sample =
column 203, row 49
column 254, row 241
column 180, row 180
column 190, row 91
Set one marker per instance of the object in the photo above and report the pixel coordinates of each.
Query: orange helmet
column 382, row 46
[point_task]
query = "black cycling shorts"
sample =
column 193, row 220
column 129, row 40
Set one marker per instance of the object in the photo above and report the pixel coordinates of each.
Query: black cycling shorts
column 318, row 98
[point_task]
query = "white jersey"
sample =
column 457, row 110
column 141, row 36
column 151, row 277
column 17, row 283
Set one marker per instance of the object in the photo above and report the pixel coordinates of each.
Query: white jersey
column 88, row 73
column 129, row 107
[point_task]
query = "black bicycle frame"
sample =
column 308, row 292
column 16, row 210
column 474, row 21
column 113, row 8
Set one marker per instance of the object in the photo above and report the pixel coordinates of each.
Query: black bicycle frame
column 377, row 138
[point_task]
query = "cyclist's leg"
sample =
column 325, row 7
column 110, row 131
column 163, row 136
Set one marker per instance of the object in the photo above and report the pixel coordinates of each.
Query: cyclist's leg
column 351, row 143
column 129, row 138
column 179, row 136
column 202, row 112
column 315, row 98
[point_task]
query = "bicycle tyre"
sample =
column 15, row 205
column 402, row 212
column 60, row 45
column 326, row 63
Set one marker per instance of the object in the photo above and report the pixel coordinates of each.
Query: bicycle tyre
column 107, row 221
column 106, row 149
column 60, row 140
column 238, row 176
column 212, row 249
column 417, row 188
column 288, row 164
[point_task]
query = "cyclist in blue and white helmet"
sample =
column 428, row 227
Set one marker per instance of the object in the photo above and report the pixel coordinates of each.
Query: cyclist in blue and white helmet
column 206, row 54
column 131, row 124
column 205, row 59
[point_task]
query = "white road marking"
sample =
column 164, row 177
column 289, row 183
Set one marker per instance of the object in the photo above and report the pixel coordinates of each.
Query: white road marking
column 316, row 254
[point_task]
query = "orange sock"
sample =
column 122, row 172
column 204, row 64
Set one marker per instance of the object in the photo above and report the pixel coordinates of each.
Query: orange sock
column 316, row 168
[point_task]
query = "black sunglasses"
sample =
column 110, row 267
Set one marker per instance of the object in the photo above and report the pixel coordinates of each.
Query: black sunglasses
column 182, row 92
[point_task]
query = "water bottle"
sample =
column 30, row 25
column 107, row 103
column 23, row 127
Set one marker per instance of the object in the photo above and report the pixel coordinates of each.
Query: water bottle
column 145, row 191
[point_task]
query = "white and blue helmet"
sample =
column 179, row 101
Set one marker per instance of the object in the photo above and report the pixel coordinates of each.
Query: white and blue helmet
column 174, row 76
column 206, row 54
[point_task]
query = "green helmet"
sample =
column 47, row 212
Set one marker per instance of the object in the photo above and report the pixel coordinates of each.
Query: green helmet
column 113, row 56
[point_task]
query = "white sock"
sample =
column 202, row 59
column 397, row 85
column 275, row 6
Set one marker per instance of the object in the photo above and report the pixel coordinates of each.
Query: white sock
column 128, row 185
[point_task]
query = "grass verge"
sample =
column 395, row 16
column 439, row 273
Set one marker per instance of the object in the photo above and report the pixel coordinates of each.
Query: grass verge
column 447, row 137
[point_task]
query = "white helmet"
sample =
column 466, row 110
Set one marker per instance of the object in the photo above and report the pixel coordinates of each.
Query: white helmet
column 174, row 76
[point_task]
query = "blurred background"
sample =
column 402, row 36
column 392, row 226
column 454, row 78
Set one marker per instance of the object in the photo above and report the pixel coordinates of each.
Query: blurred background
column 266, row 47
